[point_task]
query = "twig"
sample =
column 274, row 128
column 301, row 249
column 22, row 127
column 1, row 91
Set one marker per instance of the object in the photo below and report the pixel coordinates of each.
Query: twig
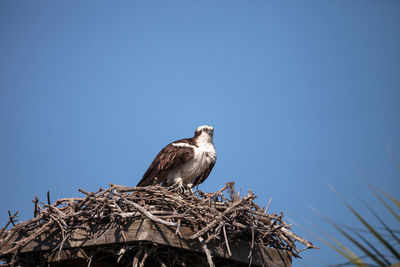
column 11, row 218
column 219, row 217
column 298, row 238
column 2, row 230
column 269, row 203
column 136, row 258
column 146, row 254
column 48, row 197
column 226, row 241
column 35, row 210
column 148, row 214
column 205, row 249
column 251, row 247
column 177, row 232
column 90, row 261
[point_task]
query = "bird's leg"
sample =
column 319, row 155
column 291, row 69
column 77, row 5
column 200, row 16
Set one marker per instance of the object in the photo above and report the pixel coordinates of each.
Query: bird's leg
column 182, row 187
column 179, row 186
column 190, row 187
column 185, row 188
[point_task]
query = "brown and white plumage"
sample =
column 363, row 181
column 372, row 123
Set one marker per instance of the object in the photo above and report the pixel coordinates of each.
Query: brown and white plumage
column 187, row 161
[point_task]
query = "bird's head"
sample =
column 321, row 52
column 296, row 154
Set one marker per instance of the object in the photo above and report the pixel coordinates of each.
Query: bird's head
column 205, row 133
column 204, row 129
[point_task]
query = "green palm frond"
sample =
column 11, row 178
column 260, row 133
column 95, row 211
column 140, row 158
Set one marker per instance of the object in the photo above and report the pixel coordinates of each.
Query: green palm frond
column 395, row 201
column 368, row 226
column 387, row 228
column 358, row 244
column 377, row 252
column 396, row 162
column 394, row 213
column 379, row 245
column 353, row 259
column 339, row 247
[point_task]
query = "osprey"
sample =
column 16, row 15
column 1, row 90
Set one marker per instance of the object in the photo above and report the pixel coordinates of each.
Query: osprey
column 187, row 161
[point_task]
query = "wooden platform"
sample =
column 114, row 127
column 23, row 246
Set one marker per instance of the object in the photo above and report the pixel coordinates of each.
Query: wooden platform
column 144, row 232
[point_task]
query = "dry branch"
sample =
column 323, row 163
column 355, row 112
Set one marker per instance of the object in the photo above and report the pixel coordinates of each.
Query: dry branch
column 220, row 217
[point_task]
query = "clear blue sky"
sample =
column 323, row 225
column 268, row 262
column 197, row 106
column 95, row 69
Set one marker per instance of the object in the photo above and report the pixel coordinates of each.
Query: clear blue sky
column 299, row 92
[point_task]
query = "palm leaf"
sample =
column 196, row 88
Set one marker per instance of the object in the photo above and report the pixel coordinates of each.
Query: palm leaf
column 354, row 260
column 366, row 224
column 341, row 249
column 389, row 150
column 397, row 216
column 381, row 221
column 395, row 201
column 373, row 248
column 358, row 244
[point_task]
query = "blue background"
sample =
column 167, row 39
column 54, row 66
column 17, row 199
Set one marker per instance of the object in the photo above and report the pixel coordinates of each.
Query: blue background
column 300, row 93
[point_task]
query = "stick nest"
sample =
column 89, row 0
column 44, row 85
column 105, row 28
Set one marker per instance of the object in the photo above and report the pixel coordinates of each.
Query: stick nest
column 220, row 217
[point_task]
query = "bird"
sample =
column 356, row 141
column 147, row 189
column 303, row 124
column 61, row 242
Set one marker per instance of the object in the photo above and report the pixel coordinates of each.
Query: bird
column 185, row 162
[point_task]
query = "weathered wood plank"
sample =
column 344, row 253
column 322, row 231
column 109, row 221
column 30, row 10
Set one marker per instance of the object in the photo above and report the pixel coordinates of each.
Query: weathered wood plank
column 146, row 230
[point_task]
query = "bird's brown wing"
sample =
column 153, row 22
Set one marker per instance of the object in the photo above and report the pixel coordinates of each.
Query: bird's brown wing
column 168, row 158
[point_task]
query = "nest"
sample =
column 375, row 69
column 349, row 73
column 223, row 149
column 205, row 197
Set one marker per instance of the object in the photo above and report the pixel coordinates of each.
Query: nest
column 219, row 217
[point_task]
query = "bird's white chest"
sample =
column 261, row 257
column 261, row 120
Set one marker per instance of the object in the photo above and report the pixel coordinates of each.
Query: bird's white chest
column 204, row 156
